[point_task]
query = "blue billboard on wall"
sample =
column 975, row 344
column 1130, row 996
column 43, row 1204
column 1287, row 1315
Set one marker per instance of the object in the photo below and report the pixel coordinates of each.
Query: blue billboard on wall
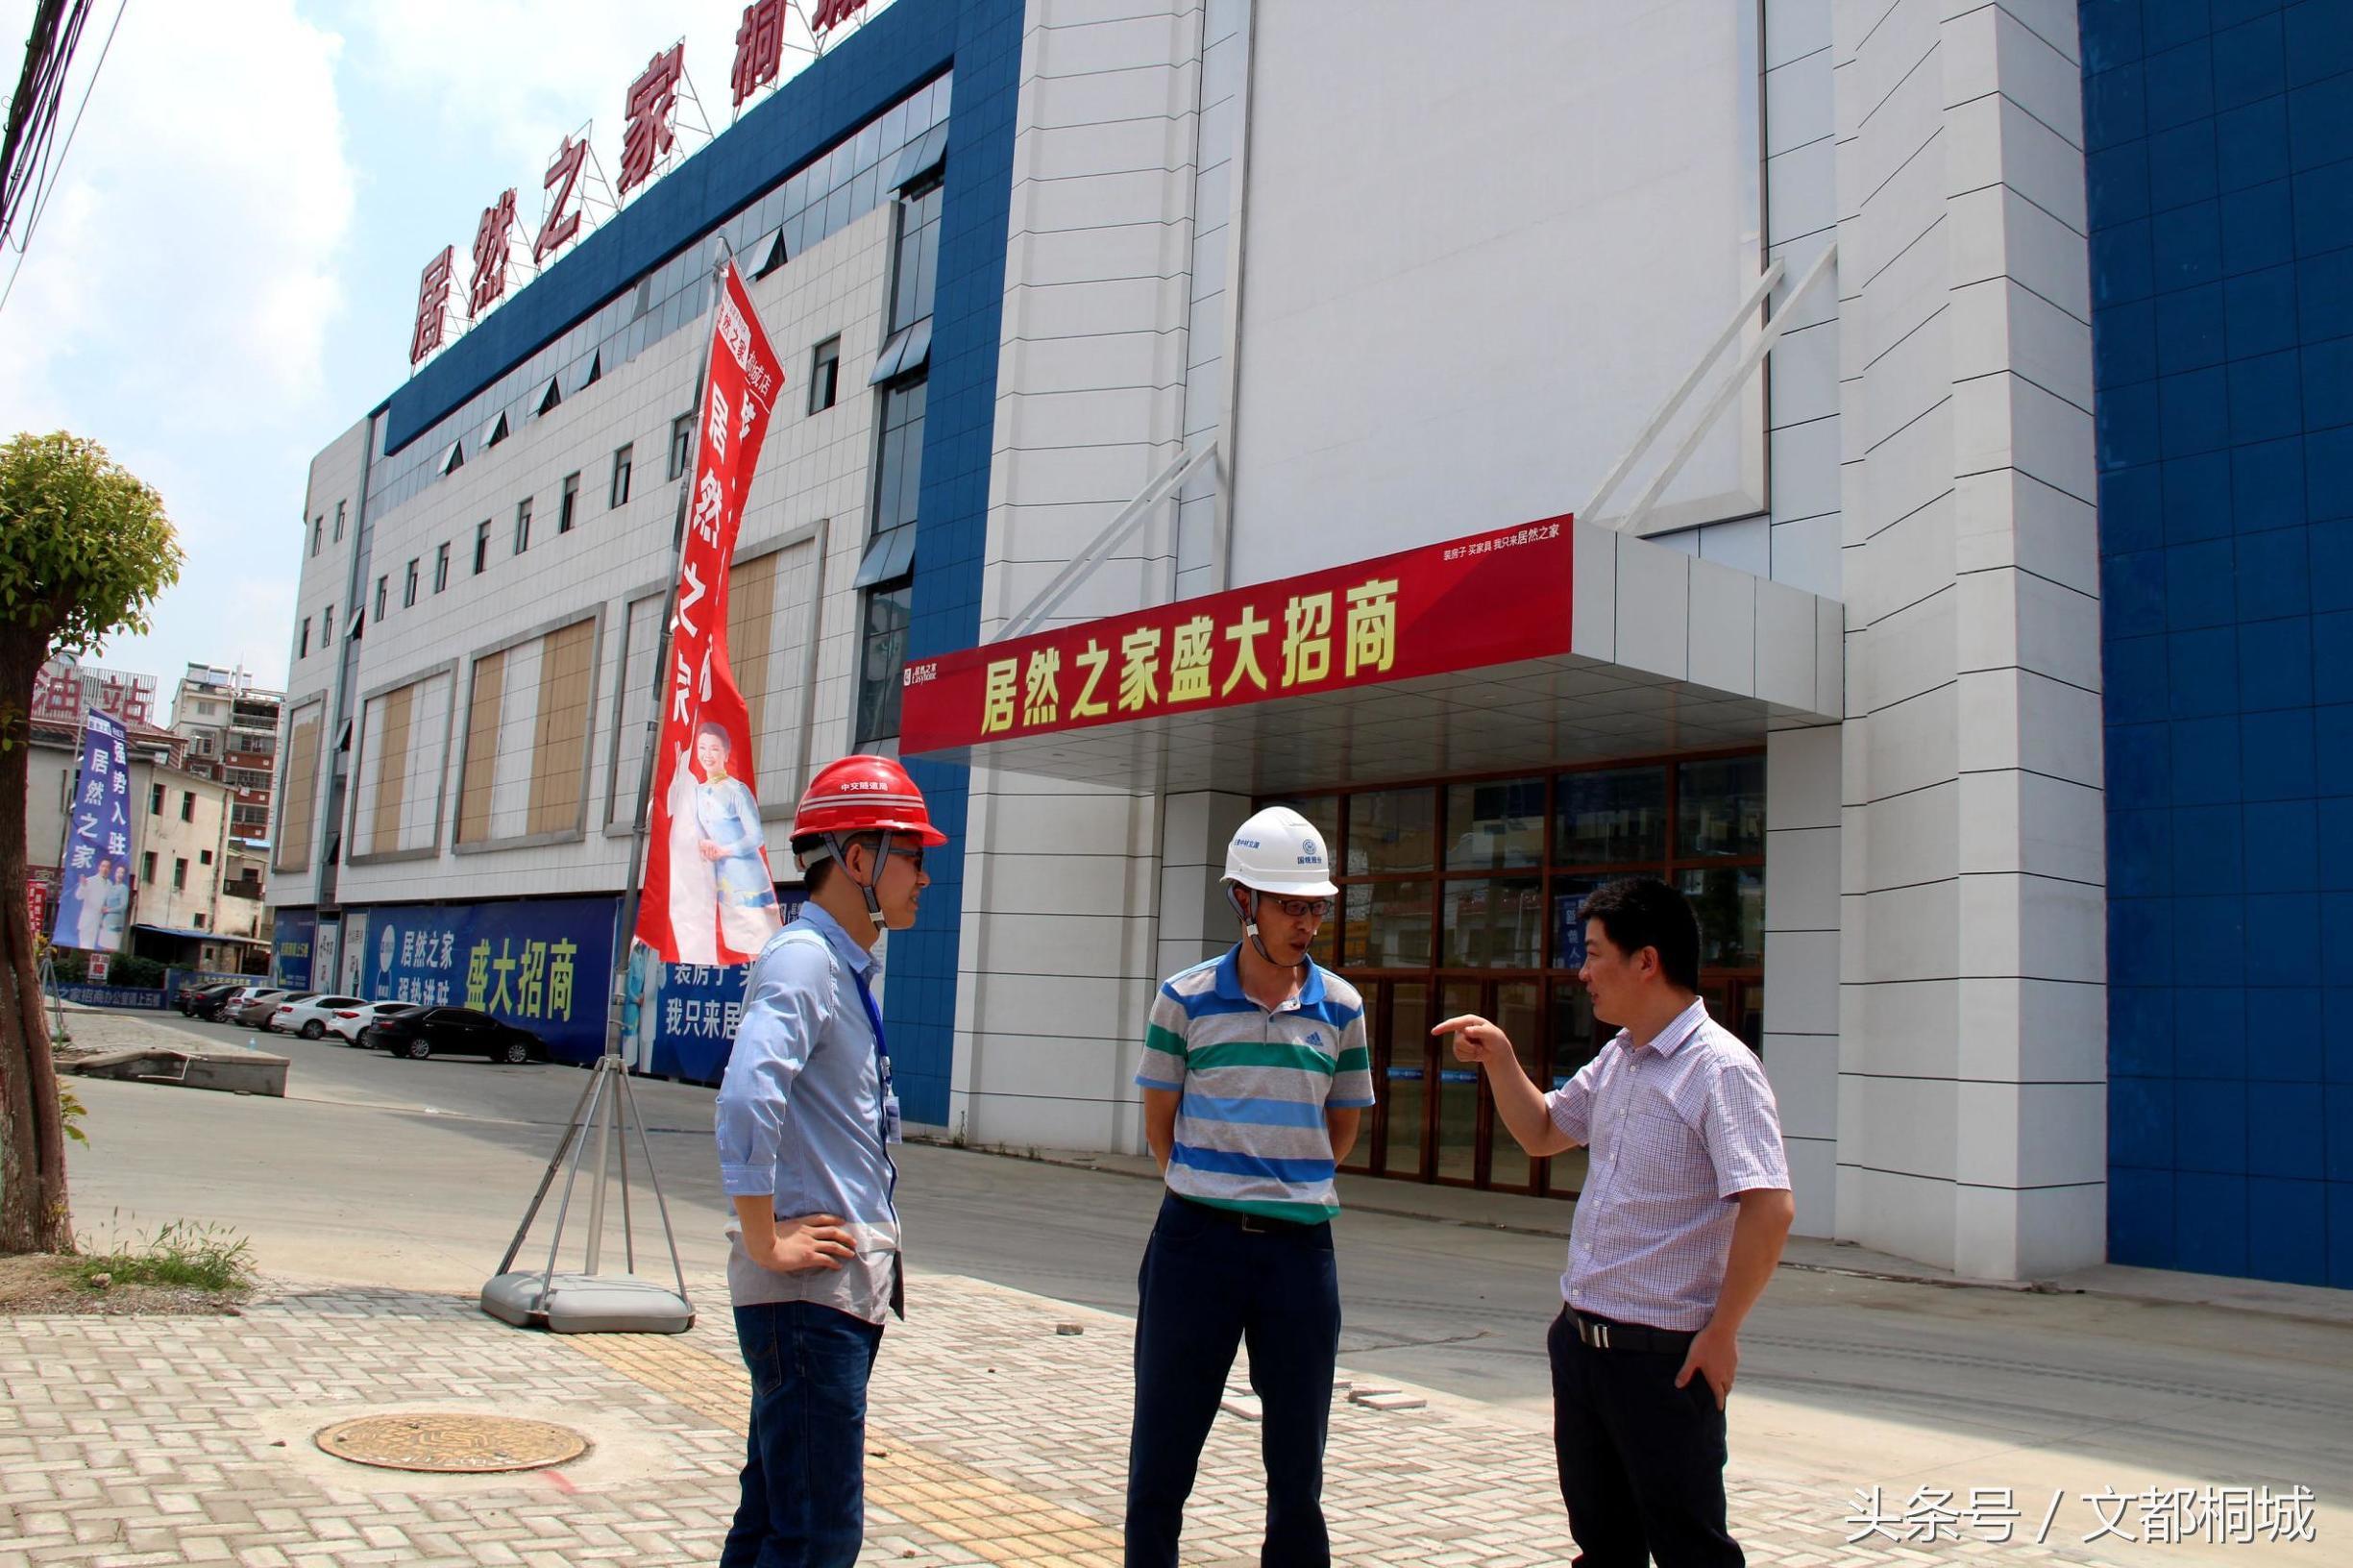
column 543, row 965
column 693, row 1010
column 292, row 935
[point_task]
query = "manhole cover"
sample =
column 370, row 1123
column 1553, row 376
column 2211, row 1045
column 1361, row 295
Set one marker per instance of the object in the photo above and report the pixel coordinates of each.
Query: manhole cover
column 454, row 1444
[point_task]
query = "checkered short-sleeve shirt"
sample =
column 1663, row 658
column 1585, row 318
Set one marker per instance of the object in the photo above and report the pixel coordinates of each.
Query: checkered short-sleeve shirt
column 1677, row 1128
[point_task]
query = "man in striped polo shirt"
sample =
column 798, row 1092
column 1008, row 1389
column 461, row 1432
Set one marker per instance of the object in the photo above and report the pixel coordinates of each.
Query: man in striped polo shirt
column 1254, row 1077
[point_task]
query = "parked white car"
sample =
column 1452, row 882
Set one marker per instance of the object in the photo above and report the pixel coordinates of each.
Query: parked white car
column 307, row 1018
column 346, row 1022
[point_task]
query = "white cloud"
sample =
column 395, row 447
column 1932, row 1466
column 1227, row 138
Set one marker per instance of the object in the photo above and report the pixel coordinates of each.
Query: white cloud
column 517, row 76
column 178, row 297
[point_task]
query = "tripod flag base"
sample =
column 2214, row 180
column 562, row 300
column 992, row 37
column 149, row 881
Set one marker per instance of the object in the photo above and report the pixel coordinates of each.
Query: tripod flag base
column 586, row 1303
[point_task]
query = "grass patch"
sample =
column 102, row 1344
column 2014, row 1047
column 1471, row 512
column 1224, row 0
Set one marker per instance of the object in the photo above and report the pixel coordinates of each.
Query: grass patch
column 183, row 1255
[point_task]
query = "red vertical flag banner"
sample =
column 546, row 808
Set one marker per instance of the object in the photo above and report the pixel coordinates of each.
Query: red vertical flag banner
column 708, row 895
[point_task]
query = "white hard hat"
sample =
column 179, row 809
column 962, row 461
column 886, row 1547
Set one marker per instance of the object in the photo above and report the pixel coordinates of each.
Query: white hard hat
column 1279, row 851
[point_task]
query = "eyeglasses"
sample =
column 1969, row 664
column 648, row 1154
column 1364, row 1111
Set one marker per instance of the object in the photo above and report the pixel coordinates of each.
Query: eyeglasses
column 915, row 856
column 1303, row 909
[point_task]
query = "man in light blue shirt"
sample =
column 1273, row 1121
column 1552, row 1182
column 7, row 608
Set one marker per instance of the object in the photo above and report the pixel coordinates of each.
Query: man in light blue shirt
column 804, row 1121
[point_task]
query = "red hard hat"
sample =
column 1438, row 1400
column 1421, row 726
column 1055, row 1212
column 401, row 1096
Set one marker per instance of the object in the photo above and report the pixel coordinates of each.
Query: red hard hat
column 862, row 794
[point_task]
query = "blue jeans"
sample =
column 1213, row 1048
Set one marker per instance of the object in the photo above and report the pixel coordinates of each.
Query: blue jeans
column 804, row 1476
column 1206, row 1287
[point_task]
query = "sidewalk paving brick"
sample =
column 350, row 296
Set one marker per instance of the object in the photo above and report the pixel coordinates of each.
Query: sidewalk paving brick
column 994, row 1438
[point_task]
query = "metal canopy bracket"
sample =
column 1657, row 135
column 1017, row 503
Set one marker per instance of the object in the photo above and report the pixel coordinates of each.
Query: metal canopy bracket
column 1129, row 518
column 1717, row 402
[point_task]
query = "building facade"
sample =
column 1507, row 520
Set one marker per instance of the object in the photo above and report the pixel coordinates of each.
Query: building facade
column 1583, row 440
column 230, row 726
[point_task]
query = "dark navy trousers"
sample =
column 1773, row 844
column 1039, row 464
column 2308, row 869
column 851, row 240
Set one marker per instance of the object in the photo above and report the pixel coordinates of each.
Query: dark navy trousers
column 1641, row 1460
column 1209, row 1286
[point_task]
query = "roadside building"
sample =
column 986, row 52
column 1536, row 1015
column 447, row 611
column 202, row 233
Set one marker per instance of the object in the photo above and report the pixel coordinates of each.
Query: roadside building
column 1563, row 442
column 182, row 912
column 231, row 729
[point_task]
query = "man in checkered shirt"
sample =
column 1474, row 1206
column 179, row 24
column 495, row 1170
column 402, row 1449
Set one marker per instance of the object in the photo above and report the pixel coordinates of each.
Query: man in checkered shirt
column 1685, row 1207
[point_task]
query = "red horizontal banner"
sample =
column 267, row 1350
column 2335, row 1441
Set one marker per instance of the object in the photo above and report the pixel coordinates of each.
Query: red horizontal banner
column 1491, row 599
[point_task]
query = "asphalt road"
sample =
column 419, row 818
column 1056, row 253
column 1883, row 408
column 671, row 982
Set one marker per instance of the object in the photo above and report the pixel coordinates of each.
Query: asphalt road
column 415, row 1174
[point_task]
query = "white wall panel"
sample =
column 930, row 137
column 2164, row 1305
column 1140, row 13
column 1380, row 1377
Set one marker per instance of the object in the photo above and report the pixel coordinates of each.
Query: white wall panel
column 1455, row 320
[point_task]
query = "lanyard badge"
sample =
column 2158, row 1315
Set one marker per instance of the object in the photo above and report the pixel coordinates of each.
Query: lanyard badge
column 889, row 1124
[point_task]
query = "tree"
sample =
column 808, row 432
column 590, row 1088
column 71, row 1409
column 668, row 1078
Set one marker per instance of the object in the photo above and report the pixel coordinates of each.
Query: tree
column 85, row 550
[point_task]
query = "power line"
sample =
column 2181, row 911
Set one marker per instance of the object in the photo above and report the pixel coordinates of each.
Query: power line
column 48, row 74
column 32, row 107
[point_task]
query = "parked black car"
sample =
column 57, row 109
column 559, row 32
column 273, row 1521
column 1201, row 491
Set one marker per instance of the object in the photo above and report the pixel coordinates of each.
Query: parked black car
column 205, row 1001
column 456, row 1031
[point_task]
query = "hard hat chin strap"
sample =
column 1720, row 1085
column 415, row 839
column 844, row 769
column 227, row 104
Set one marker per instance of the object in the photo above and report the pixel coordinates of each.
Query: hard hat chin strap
column 839, row 845
column 1247, row 909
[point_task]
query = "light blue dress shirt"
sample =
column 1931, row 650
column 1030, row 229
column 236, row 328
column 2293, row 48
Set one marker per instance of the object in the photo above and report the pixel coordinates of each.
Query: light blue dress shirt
column 799, row 1115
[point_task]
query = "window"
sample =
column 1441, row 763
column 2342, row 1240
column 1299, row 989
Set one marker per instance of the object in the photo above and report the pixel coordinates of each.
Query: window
column 409, row 593
column 338, row 522
column 568, row 507
column 523, row 525
column 180, row 873
column 681, row 444
column 379, row 599
column 913, row 279
column 481, row 546
column 898, row 479
column 1462, row 897
column 147, row 868
column 883, row 651
column 887, row 572
column 825, row 375
column 526, row 726
column 919, row 256
column 621, row 476
column 304, row 651
column 197, row 919
column 297, row 794
column 187, row 805
column 326, row 628
column 318, row 532
column 204, row 856
column 154, row 800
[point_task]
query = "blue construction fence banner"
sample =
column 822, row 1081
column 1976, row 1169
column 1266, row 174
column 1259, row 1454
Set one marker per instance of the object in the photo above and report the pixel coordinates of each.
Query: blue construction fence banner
column 291, row 935
column 114, row 997
column 543, row 965
column 695, row 1009
column 176, row 981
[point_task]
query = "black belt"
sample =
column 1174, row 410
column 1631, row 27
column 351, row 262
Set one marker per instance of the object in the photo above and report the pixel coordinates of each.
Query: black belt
column 1249, row 1224
column 1606, row 1334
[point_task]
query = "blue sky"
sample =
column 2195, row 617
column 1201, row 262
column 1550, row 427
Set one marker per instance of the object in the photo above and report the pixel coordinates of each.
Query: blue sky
column 226, row 274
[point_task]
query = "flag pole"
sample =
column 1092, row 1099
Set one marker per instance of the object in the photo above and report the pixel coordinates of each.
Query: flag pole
column 523, row 1299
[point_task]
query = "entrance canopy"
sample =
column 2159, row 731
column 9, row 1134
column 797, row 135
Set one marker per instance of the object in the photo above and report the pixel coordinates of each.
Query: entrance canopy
column 1546, row 644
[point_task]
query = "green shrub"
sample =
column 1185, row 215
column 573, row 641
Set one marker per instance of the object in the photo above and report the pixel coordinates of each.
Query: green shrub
column 183, row 1252
column 129, row 970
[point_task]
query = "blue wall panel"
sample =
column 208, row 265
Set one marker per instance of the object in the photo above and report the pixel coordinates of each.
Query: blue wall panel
column 2220, row 170
column 952, row 523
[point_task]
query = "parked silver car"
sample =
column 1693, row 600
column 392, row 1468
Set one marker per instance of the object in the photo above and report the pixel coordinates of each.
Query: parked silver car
column 253, row 1011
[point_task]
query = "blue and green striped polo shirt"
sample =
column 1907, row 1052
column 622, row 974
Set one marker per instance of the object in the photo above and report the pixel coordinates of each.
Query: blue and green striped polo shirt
column 1250, row 1131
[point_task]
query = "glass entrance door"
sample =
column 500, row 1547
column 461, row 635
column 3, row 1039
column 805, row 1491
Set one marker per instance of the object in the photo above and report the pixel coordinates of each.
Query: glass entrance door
column 1461, row 896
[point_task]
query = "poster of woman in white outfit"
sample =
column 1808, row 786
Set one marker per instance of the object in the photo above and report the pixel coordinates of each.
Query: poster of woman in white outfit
column 722, row 903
